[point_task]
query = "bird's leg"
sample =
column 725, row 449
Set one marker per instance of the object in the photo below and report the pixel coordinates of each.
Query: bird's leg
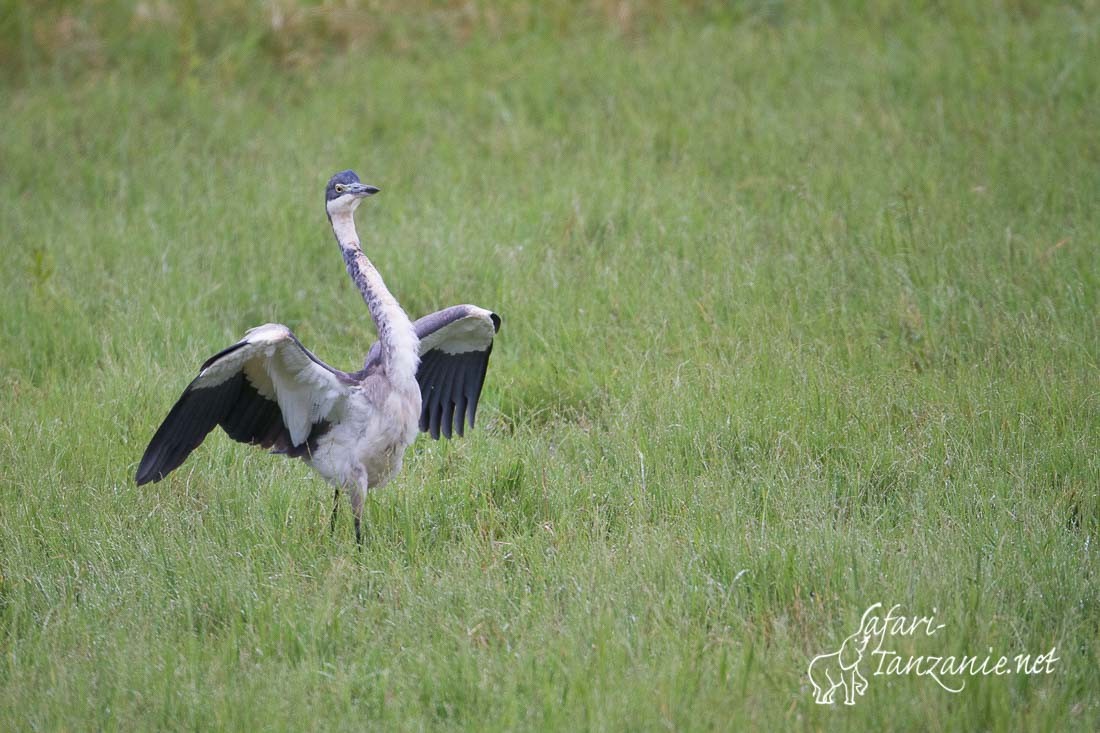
column 357, row 510
column 335, row 506
column 357, row 494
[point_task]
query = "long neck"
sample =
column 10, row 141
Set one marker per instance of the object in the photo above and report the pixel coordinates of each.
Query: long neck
column 400, row 347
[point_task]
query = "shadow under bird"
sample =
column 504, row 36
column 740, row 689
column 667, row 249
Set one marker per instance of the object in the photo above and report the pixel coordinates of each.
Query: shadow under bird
column 352, row 428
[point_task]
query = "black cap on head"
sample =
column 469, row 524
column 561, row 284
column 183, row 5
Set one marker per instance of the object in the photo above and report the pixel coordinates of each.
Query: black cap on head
column 343, row 177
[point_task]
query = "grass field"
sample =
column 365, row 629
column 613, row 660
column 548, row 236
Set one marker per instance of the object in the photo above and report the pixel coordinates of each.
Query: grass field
column 801, row 312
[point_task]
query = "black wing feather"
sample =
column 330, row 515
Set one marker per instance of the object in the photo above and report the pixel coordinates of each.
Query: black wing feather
column 446, row 421
column 458, row 394
column 476, row 385
column 253, row 418
column 435, row 410
column 423, row 375
column 431, row 392
column 190, row 420
column 450, row 387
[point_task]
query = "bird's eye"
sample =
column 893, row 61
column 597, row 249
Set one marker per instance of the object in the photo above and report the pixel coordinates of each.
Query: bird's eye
column 340, row 188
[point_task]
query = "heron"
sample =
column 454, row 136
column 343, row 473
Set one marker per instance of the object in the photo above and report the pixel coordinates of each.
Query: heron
column 352, row 428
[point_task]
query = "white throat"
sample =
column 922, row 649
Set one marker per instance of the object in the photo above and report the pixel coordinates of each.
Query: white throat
column 341, row 211
column 343, row 225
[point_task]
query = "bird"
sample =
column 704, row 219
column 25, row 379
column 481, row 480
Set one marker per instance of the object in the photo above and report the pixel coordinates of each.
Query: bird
column 352, row 428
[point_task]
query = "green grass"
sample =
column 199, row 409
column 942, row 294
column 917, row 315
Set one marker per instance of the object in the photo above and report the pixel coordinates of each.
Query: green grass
column 801, row 312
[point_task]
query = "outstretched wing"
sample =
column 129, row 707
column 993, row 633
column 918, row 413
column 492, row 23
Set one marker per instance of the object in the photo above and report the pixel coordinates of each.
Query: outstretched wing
column 266, row 389
column 455, row 344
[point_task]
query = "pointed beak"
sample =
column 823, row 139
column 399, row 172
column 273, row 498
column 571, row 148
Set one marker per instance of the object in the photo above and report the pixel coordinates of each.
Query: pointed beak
column 362, row 190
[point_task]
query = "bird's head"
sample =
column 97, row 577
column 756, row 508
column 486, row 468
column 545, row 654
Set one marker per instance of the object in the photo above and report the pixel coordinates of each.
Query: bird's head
column 345, row 191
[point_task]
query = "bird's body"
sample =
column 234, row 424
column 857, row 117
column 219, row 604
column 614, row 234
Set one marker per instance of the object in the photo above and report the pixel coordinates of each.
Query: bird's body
column 371, row 438
column 352, row 428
